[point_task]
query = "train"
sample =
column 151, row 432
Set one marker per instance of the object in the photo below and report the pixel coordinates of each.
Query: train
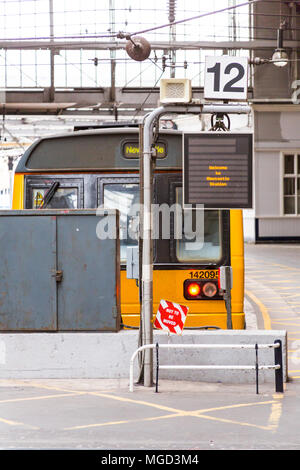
column 86, row 169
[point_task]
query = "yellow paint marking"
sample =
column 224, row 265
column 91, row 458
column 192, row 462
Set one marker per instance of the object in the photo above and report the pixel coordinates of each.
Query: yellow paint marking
column 288, row 288
column 276, row 309
column 43, row 397
column 181, row 413
column 293, row 332
column 283, row 280
column 275, row 415
column 129, row 421
column 174, row 412
column 85, row 426
column 10, row 422
column 16, row 423
column 239, row 405
column 101, row 394
column 252, row 271
column 136, row 402
column 229, row 421
column 46, row 387
column 284, row 323
column 263, row 309
column 285, row 267
column 287, row 319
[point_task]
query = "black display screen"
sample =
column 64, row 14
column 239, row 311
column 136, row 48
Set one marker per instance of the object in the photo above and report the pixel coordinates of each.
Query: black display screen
column 218, row 170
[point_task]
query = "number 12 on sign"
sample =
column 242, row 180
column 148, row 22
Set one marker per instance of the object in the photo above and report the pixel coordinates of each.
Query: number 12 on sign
column 226, row 77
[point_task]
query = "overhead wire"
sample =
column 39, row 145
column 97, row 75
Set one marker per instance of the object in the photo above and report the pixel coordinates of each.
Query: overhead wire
column 147, row 97
column 153, row 28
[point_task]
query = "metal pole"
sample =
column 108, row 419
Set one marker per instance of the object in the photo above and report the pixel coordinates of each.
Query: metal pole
column 52, row 54
column 147, row 253
column 172, row 35
column 256, row 366
column 147, row 256
column 228, row 298
column 141, row 327
column 11, row 179
column 112, row 57
column 157, row 367
column 278, row 372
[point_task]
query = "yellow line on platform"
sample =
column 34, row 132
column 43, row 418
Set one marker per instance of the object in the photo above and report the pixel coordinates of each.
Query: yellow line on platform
column 286, row 267
column 10, row 422
column 276, row 413
column 273, row 420
column 17, row 423
column 263, row 309
column 286, row 319
column 283, row 280
column 42, row 397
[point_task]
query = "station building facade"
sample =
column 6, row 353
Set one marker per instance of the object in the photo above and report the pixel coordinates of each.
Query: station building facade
column 277, row 172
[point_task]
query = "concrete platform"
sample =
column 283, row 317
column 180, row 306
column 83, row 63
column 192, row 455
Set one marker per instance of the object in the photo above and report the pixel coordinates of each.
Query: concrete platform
column 107, row 355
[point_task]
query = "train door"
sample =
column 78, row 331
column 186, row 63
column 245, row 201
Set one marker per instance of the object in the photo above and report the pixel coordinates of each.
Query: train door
column 123, row 193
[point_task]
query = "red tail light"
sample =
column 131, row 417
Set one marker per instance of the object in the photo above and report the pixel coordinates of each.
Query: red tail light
column 201, row 290
column 193, row 289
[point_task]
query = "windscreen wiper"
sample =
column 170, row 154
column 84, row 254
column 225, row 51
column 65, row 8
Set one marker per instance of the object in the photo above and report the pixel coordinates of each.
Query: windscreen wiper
column 49, row 195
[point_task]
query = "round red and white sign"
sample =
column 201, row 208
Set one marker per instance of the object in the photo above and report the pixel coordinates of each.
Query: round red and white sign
column 171, row 317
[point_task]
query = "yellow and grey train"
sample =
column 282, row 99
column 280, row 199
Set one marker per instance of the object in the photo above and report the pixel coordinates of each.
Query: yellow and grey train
column 100, row 167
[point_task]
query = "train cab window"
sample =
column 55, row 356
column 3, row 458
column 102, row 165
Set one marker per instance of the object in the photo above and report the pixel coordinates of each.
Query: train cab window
column 208, row 246
column 63, row 198
column 125, row 198
column 54, row 192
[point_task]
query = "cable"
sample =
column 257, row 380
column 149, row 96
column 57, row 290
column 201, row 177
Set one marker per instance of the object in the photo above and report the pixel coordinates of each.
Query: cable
column 137, row 76
column 203, row 15
column 152, row 89
column 154, row 28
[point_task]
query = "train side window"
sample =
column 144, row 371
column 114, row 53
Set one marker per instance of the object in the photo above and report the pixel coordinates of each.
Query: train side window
column 209, row 246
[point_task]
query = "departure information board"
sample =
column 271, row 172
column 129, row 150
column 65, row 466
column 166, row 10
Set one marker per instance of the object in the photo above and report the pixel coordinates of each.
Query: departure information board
column 217, row 170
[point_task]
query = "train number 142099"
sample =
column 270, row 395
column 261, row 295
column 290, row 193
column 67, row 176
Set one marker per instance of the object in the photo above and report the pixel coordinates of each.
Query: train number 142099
column 204, row 274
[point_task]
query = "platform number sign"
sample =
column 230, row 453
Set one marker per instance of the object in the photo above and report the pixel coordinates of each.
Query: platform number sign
column 226, row 77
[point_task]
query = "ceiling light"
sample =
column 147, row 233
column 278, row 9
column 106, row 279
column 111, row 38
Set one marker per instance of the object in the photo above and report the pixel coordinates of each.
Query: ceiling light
column 280, row 58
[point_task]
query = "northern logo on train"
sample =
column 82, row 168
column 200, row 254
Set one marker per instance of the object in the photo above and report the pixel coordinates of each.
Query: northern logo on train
column 171, row 317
